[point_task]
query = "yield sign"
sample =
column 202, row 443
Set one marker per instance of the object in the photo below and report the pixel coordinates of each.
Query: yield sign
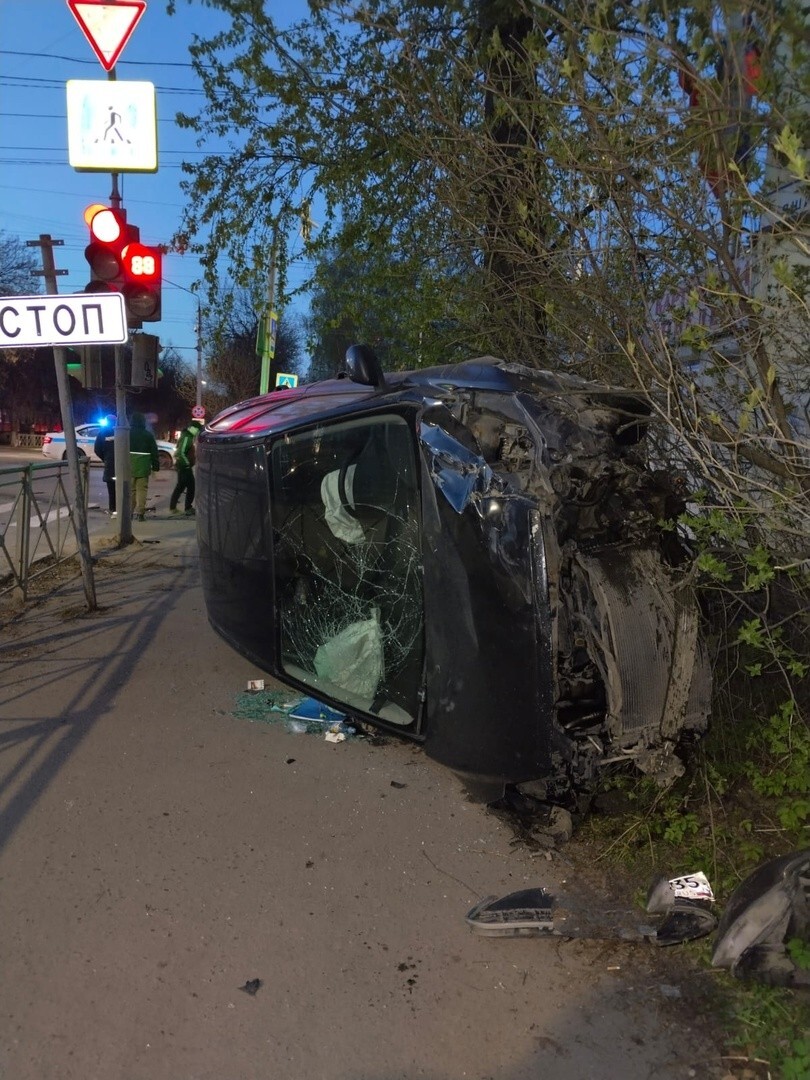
column 107, row 25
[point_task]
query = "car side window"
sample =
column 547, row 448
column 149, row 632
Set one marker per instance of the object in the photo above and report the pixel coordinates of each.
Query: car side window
column 348, row 564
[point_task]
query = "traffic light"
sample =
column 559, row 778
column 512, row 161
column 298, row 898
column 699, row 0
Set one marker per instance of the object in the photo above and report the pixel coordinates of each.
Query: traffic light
column 109, row 235
column 120, row 263
column 143, row 277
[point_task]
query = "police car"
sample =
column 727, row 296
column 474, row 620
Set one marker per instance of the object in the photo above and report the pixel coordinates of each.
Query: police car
column 53, row 445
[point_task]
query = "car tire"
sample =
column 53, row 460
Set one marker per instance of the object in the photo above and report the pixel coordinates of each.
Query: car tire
column 79, row 454
column 166, row 460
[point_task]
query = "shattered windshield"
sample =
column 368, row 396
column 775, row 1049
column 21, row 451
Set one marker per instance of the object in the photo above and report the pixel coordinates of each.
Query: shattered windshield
column 348, row 565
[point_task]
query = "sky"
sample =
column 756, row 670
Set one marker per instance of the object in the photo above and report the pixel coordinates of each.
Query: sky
column 41, row 47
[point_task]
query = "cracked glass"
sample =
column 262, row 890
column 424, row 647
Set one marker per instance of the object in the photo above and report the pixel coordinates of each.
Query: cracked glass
column 348, row 564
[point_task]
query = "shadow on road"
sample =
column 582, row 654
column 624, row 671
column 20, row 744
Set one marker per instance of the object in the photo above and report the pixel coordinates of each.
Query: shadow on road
column 63, row 669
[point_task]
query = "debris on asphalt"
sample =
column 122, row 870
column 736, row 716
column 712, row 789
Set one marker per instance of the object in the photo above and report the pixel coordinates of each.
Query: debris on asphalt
column 252, row 986
column 684, row 904
column 685, row 921
column 313, row 710
column 301, row 716
column 764, row 933
column 255, row 684
column 396, row 784
column 535, row 912
column 525, row 913
column 692, row 887
column 269, row 706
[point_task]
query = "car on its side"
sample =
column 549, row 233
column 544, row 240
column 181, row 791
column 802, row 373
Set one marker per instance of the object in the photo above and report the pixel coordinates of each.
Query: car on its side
column 478, row 556
column 53, row 445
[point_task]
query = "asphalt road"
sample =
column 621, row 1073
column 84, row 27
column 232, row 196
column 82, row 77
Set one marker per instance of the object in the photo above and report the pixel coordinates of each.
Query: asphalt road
column 160, row 852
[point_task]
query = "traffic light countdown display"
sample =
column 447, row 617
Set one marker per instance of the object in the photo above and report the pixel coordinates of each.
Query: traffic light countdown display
column 119, row 262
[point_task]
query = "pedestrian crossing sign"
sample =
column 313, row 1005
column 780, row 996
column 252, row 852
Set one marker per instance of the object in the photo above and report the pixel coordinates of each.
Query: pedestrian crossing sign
column 112, row 125
column 286, row 381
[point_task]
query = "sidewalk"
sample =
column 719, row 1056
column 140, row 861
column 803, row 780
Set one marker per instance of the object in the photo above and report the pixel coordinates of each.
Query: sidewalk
column 158, row 853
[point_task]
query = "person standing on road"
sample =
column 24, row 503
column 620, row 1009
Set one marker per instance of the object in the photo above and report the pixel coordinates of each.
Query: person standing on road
column 144, row 460
column 184, row 459
column 104, row 448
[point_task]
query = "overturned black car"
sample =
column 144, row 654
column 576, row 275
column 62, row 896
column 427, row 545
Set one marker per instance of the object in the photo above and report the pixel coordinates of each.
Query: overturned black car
column 474, row 556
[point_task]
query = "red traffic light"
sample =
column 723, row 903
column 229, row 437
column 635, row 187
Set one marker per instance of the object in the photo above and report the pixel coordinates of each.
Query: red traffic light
column 142, row 271
column 141, row 263
column 119, row 262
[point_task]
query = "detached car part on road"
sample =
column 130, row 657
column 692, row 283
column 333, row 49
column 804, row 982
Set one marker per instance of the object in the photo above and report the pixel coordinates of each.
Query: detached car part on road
column 473, row 556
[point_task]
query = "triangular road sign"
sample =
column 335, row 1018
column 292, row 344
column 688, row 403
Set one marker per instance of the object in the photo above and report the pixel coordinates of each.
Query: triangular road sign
column 107, row 26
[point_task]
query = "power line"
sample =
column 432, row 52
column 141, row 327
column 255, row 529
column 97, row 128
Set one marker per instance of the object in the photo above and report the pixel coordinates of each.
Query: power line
column 94, row 63
column 61, row 116
column 57, row 149
column 33, row 82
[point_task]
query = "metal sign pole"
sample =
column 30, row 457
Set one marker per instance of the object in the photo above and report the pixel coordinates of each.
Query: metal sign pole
column 79, row 502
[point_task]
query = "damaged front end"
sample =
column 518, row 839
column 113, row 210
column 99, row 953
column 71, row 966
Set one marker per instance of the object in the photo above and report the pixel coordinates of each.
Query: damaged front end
column 476, row 556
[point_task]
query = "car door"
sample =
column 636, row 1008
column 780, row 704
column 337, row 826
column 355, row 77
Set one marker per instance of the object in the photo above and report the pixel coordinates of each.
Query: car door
column 86, row 437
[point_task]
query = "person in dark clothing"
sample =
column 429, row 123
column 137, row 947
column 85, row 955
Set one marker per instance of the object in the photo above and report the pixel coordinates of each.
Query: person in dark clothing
column 104, row 448
column 144, row 460
column 184, row 458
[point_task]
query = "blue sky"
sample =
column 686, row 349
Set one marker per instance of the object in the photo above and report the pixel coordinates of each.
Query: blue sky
column 41, row 47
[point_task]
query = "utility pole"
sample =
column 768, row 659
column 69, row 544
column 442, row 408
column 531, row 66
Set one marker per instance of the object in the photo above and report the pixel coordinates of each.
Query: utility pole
column 199, row 354
column 268, row 339
column 46, row 244
column 123, row 465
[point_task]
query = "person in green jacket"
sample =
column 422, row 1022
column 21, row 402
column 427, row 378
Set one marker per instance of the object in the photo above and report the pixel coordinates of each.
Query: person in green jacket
column 144, row 460
column 184, row 457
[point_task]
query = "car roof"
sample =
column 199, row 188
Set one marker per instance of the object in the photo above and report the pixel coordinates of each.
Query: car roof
column 281, row 409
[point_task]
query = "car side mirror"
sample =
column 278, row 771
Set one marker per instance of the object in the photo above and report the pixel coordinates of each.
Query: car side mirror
column 362, row 366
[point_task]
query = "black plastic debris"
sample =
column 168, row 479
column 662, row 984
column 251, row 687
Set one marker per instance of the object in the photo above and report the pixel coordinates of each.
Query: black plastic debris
column 526, row 913
column 398, row 785
column 252, row 986
column 765, row 915
column 688, row 919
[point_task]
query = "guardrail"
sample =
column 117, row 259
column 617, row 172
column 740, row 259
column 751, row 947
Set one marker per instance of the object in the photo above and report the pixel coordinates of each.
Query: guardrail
column 37, row 527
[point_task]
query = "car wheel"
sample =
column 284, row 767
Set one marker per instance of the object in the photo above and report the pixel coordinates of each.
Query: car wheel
column 79, row 454
column 165, row 458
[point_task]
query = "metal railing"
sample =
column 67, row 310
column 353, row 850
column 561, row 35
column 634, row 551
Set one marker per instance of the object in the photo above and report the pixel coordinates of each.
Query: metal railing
column 37, row 527
column 27, row 441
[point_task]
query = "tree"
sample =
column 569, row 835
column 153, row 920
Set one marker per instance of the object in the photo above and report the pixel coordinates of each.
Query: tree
column 579, row 184
column 351, row 301
column 232, row 366
column 18, row 264
column 22, row 399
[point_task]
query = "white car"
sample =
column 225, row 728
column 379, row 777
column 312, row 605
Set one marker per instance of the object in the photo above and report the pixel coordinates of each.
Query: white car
column 53, row 445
